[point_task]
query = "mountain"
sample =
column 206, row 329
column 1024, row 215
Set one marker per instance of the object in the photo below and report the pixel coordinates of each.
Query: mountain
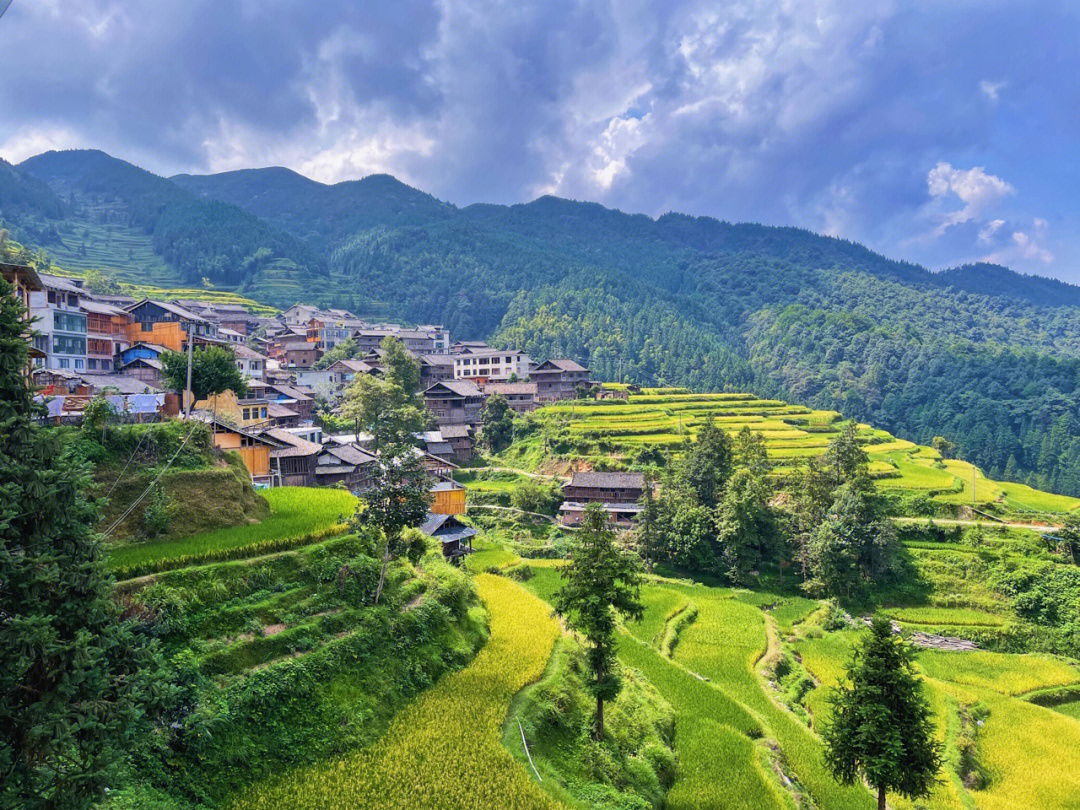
column 116, row 204
column 985, row 356
column 316, row 211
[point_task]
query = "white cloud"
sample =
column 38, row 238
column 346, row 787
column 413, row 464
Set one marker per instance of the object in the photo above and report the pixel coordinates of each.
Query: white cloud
column 1024, row 245
column 991, row 89
column 974, row 187
column 987, row 231
column 29, row 142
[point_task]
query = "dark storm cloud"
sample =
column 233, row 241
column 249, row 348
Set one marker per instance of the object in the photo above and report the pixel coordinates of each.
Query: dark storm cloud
column 896, row 124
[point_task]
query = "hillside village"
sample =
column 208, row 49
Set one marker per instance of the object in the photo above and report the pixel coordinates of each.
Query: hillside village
column 86, row 344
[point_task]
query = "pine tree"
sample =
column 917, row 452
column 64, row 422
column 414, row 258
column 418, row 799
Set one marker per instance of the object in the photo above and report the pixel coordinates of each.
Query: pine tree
column 882, row 730
column 75, row 679
column 600, row 583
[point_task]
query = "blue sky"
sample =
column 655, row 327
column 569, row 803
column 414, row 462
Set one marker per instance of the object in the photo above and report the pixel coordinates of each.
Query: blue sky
column 940, row 132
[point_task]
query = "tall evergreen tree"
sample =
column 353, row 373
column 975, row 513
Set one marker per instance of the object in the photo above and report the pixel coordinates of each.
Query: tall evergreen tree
column 601, row 583
column 75, row 680
column 707, row 464
column 882, row 730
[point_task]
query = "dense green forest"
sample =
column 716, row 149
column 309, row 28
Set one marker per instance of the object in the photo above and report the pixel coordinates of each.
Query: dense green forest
column 984, row 356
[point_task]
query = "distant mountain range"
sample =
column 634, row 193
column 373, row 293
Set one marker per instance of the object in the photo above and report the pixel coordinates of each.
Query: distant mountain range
column 980, row 354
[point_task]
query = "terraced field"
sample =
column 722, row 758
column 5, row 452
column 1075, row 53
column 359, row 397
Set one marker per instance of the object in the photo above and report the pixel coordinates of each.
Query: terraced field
column 662, row 419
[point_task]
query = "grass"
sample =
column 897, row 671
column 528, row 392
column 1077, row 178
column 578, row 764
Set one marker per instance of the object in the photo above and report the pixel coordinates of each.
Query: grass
column 663, row 419
column 298, row 515
column 443, row 750
column 1003, row 673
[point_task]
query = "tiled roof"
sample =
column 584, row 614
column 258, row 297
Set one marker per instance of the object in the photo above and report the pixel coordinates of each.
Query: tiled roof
column 463, row 388
column 294, row 445
column 242, row 351
column 510, row 388
column 563, row 364
column 608, row 480
column 456, row 431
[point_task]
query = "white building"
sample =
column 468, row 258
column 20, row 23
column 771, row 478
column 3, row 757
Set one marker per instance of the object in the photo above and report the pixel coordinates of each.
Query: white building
column 61, row 324
column 494, row 365
column 250, row 363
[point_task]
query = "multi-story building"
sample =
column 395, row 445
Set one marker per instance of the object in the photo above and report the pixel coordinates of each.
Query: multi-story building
column 106, row 335
column 164, row 323
column 618, row 494
column 61, row 324
column 328, row 332
column 435, row 368
column 454, row 402
column 491, row 365
column 558, row 379
column 520, row 396
column 415, row 340
column 250, row 363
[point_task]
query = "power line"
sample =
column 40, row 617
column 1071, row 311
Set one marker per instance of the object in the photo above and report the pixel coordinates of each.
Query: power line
column 153, row 483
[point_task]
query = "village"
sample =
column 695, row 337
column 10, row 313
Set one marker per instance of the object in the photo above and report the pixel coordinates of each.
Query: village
column 86, row 345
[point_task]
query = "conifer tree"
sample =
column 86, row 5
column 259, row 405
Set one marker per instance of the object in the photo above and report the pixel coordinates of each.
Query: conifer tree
column 600, row 583
column 75, row 680
column 882, row 730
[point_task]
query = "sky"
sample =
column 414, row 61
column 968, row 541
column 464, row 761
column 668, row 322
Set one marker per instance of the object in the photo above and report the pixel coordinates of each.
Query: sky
column 937, row 132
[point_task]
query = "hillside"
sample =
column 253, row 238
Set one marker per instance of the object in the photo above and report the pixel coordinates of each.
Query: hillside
column 147, row 229
column 982, row 355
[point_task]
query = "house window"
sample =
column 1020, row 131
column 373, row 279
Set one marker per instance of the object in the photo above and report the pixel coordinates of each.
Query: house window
column 106, row 365
column 146, row 326
column 91, row 364
column 262, row 412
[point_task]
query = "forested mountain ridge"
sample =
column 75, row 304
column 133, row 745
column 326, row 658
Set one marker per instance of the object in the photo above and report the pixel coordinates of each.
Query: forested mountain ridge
column 980, row 354
column 197, row 238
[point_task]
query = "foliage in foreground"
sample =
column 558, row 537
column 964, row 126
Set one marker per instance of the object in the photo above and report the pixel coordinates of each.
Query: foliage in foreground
column 77, row 681
column 444, row 749
column 632, row 768
column 881, row 730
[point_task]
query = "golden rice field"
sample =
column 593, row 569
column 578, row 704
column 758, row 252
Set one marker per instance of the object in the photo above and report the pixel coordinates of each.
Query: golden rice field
column 444, row 750
column 666, row 418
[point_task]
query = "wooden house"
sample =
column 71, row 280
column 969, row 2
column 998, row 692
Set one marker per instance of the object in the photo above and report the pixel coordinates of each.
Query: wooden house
column 169, row 325
column 605, row 487
column 448, row 498
column 520, row 396
column 454, row 402
column 454, row 536
column 348, row 465
column 292, row 464
column 254, row 448
column 558, row 379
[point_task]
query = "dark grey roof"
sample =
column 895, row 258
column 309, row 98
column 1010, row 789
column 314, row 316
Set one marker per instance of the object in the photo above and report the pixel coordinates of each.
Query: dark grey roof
column 349, row 453
column 463, row 388
column 608, row 480
column 509, row 388
column 562, row 364
column 446, row 528
column 456, row 431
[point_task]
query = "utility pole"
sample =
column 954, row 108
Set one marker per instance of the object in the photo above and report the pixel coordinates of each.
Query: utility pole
column 188, row 395
column 973, row 500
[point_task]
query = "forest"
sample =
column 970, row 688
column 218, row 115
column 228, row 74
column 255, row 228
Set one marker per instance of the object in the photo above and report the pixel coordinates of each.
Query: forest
column 979, row 354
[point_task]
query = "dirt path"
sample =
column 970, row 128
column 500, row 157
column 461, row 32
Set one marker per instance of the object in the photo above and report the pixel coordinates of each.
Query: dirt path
column 1035, row 527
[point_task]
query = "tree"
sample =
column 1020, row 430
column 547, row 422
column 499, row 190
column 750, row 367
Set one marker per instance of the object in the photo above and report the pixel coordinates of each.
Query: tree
column 498, row 423
column 397, row 499
column 1068, row 536
column 845, row 457
column 855, row 544
column 811, row 495
column 75, row 680
column 348, row 349
column 99, row 412
column 707, row 464
column 213, row 371
column 535, row 496
column 648, row 531
column 943, row 446
column 882, row 730
column 101, row 281
column 601, row 583
column 382, row 408
column 400, row 366
column 744, row 522
column 750, row 451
